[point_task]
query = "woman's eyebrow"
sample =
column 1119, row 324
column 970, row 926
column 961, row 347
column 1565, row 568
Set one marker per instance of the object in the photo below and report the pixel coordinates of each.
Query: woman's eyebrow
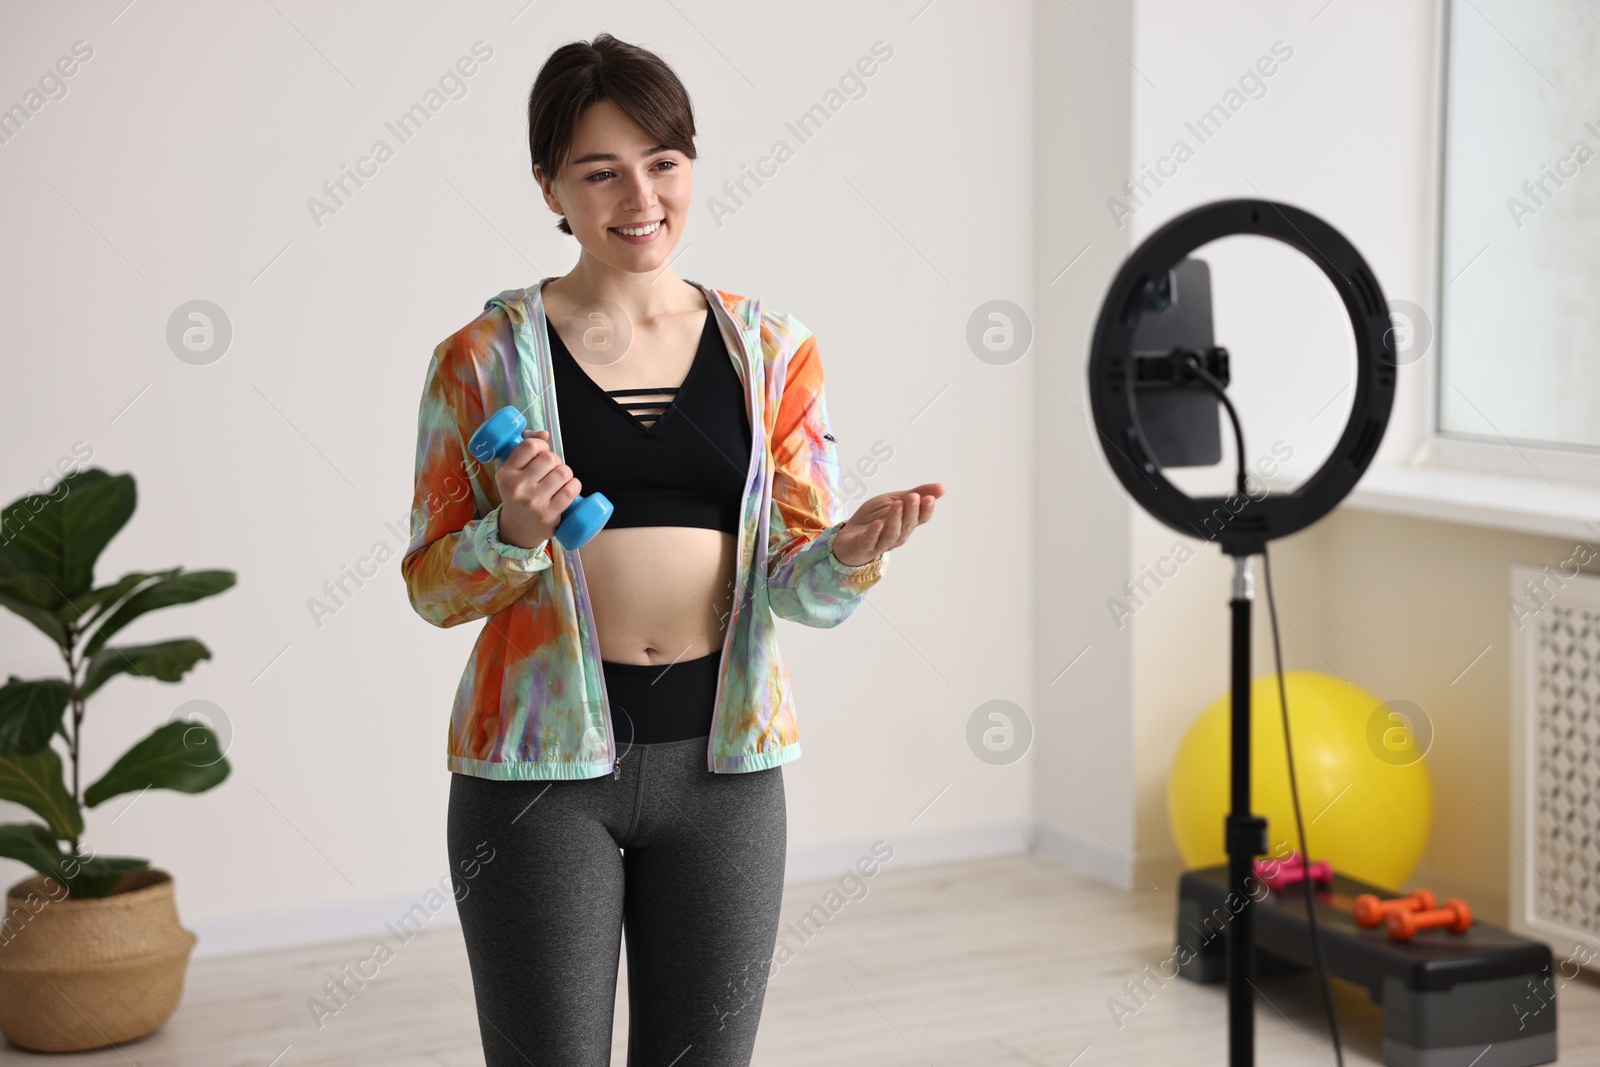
column 612, row 157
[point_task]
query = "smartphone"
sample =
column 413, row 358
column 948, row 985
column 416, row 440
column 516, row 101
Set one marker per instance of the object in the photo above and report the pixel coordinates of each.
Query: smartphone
column 1180, row 421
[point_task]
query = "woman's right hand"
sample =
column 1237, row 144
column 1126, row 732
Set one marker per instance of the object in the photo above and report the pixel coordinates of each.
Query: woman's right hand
column 535, row 488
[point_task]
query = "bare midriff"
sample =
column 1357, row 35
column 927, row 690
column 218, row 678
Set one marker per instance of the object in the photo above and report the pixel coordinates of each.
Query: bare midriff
column 659, row 593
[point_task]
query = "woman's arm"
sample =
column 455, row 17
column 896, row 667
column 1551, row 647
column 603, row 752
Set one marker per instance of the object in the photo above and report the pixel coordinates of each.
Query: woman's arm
column 456, row 567
column 806, row 582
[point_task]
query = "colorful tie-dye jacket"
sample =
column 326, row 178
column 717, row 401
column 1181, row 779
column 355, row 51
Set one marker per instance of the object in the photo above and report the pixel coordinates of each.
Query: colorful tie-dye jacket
column 532, row 699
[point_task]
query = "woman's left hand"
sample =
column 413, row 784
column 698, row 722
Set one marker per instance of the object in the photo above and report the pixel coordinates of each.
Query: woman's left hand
column 884, row 522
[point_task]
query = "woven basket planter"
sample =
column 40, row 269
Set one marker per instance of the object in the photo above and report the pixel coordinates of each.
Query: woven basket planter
column 79, row 974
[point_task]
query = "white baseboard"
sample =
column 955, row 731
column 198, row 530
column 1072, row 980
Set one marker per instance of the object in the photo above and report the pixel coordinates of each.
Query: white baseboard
column 390, row 919
column 915, row 849
column 1091, row 856
column 384, row 918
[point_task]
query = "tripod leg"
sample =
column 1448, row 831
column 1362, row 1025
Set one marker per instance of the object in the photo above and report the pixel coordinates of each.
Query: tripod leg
column 1246, row 834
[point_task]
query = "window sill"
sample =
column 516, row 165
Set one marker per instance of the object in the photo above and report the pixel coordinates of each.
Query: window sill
column 1496, row 501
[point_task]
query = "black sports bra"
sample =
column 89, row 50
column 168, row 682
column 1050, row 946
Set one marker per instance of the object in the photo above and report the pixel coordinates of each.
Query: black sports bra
column 685, row 466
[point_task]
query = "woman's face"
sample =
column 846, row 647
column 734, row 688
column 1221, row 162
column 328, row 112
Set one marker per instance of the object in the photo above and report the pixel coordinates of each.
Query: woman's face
column 616, row 178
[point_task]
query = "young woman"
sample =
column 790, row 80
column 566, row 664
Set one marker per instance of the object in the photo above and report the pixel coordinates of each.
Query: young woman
column 618, row 731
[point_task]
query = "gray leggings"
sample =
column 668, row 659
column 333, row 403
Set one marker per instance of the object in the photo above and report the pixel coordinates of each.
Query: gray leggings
column 544, row 895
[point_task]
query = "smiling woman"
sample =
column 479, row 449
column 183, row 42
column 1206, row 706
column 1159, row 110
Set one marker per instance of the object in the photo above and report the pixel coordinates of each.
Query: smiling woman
column 652, row 651
column 642, row 92
column 603, row 198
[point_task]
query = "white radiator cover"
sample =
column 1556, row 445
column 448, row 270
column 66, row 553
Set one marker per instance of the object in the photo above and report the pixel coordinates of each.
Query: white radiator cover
column 1555, row 758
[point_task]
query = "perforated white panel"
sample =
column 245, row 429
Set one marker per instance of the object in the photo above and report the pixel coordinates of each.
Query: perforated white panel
column 1554, row 620
column 1566, row 771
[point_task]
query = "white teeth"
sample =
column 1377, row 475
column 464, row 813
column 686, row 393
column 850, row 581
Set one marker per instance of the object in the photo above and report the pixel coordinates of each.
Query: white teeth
column 640, row 231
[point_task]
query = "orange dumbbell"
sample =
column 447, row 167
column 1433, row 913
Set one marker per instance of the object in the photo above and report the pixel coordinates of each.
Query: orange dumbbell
column 1370, row 910
column 1455, row 916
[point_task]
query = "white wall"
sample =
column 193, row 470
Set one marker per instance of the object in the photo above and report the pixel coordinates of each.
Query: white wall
column 179, row 164
column 1083, row 796
column 1419, row 609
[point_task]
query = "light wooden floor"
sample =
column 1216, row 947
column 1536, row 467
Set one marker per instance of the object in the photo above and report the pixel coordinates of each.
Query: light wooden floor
column 1000, row 963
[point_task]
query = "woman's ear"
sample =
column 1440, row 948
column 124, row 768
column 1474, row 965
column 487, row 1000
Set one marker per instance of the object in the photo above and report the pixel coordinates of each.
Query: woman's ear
column 547, row 190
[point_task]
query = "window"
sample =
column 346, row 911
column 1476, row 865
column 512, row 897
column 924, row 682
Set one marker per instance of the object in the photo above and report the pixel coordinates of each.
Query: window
column 1519, row 268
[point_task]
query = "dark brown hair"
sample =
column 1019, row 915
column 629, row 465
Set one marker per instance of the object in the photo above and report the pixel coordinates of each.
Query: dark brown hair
column 586, row 72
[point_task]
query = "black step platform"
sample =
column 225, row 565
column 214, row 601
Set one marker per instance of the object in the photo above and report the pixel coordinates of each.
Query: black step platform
column 1446, row 997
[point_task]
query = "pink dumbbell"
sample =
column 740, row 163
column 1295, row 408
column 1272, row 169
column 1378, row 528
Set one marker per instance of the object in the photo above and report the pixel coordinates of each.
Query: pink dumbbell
column 1281, row 874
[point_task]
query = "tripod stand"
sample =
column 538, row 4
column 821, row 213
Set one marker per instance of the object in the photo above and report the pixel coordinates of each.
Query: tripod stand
column 1246, row 833
column 1140, row 439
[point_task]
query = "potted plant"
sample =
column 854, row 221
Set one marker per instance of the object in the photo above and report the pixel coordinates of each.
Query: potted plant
column 91, row 948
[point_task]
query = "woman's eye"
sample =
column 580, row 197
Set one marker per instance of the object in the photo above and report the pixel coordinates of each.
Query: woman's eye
column 601, row 175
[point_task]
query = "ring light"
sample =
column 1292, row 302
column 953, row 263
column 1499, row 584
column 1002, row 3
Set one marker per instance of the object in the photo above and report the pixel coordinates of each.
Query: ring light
column 1111, row 366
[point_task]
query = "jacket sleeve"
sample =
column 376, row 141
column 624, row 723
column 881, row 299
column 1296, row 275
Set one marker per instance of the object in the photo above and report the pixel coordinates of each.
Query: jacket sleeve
column 456, row 567
column 806, row 583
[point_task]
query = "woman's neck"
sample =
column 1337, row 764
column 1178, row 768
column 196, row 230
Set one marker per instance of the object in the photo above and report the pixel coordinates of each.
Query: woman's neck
column 643, row 298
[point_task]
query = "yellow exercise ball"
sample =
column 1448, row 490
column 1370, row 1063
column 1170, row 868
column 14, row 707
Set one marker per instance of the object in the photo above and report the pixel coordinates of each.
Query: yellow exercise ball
column 1364, row 787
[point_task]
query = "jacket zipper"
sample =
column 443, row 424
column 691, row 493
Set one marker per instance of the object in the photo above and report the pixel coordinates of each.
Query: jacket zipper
column 738, row 585
column 738, row 578
column 591, row 639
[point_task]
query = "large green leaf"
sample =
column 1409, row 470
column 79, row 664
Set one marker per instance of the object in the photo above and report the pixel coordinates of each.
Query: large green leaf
column 26, row 590
column 13, row 563
column 43, row 618
column 93, row 604
column 167, row 661
column 21, row 578
column 30, row 712
column 33, row 844
column 181, row 755
column 65, row 532
column 178, row 589
column 35, row 781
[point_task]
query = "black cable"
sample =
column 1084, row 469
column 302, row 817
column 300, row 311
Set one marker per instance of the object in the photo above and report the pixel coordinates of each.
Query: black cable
column 1192, row 361
column 1299, row 822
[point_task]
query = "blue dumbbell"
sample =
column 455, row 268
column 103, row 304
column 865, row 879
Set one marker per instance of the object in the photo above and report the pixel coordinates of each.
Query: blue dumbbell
column 501, row 433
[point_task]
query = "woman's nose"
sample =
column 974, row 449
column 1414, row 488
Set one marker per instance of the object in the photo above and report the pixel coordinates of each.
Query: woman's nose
column 637, row 193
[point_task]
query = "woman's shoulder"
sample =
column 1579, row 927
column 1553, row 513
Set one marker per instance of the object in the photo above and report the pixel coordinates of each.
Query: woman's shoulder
column 488, row 337
column 781, row 332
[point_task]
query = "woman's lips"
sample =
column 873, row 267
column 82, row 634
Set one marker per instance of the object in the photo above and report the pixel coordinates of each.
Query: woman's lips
column 644, row 240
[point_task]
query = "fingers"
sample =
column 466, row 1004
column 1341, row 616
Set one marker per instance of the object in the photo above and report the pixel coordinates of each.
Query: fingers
column 916, row 504
column 535, row 462
column 533, row 472
column 892, row 523
column 926, row 495
column 910, row 510
column 531, row 446
column 559, row 479
column 914, row 509
column 890, row 518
